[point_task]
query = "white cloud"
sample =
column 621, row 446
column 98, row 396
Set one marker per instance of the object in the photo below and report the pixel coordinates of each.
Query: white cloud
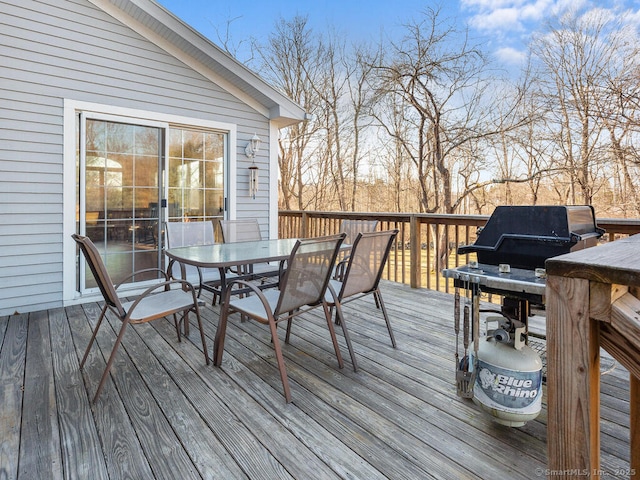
column 508, row 25
column 498, row 19
column 510, row 56
column 508, row 15
column 491, row 4
column 562, row 6
column 537, row 10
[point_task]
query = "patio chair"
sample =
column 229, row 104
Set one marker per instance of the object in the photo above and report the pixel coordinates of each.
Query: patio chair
column 157, row 301
column 352, row 228
column 243, row 230
column 185, row 234
column 362, row 275
column 248, row 230
column 302, row 288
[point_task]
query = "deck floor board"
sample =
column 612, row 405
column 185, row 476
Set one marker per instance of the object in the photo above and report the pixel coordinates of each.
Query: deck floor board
column 164, row 414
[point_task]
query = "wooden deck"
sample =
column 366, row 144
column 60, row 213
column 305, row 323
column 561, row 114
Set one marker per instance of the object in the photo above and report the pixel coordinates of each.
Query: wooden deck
column 164, row 414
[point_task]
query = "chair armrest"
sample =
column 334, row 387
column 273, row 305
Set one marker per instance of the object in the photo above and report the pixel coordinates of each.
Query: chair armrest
column 341, row 268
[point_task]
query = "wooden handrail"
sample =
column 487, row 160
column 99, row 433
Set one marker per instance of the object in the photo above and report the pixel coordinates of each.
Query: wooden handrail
column 426, row 242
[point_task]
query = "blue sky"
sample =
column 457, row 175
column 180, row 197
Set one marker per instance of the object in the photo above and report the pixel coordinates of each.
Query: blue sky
column 504, row 26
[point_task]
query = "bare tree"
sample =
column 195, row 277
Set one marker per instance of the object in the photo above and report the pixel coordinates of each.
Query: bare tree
column 227, row 41
column 524, row 154
column 290, row 62
column 360, row 100
column 440, row 82
column 449, row 135
column 331, row 88
column 618, row 109
column 574, row 57
column 342, row 89
column 434, row 79
column 391, row 154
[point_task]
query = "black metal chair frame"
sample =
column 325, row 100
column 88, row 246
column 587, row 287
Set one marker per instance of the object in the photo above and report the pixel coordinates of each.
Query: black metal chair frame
column 362, row 277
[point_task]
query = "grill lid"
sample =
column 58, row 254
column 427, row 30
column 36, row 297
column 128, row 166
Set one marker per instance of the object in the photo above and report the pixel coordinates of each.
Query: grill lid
column 525, row 236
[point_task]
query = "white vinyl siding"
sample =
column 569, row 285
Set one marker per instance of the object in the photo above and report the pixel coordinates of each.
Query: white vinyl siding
column 54, row 50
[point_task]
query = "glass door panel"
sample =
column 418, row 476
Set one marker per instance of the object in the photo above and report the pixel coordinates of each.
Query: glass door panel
column 196, row 174
column 123, row 177
column 121, row 195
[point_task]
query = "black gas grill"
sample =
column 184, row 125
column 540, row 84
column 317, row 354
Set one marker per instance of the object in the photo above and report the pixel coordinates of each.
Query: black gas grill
column 511, row 250
column 525, row 236
column 514, row 244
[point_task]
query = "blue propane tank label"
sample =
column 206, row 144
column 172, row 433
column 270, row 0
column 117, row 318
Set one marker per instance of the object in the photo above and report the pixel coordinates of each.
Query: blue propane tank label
column 508, row 390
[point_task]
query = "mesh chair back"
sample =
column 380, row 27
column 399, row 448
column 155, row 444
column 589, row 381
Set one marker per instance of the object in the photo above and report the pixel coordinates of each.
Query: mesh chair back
column 99, row 270
column 309, row 269
column 245, row 230
column 353, row 227
column 367, row 260
column 184, row 234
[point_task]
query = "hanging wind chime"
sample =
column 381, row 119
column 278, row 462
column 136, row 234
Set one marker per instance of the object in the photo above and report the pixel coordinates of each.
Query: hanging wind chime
column 253, row 180
column 250, row 151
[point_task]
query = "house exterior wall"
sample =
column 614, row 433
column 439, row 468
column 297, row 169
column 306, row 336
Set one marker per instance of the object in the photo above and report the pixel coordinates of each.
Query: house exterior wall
column 56, row 51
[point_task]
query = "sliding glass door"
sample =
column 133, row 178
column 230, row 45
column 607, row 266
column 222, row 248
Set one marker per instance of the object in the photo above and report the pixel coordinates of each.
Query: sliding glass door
column 125, row 183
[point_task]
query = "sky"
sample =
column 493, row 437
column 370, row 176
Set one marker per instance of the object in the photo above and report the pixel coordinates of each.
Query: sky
column 503, row 26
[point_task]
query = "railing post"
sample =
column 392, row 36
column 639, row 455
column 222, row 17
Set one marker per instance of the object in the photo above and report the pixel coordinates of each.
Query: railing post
column 304, row 227
column 415, row 254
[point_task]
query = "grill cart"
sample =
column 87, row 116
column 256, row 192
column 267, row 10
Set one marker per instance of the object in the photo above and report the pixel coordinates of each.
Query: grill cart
column 503, row 374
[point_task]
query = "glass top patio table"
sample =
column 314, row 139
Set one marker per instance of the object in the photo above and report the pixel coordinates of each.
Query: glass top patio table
column 223, row 255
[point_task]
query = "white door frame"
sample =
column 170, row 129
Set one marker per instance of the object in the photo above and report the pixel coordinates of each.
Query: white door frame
column 71, row 109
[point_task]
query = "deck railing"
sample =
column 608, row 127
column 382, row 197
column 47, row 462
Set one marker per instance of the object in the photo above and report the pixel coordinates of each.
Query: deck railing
column 426, row 243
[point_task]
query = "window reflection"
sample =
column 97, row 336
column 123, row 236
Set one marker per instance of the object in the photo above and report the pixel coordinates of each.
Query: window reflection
column 122, row 194
column 122, row 187
column 196, row 174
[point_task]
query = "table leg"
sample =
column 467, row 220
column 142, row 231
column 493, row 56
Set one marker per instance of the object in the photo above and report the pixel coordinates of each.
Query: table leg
column 218, row 343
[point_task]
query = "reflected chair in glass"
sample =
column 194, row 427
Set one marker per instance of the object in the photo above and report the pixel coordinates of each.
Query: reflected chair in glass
column 302, row 288
column 362, row 274
column 157, row 301
column 248, row 230
column 186, row 234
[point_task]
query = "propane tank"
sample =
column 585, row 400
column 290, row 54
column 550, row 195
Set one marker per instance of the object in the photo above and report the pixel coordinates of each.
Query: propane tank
column 508, row 383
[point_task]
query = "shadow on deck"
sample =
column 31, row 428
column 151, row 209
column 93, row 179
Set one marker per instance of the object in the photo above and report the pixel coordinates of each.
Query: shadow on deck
column 164, row 414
